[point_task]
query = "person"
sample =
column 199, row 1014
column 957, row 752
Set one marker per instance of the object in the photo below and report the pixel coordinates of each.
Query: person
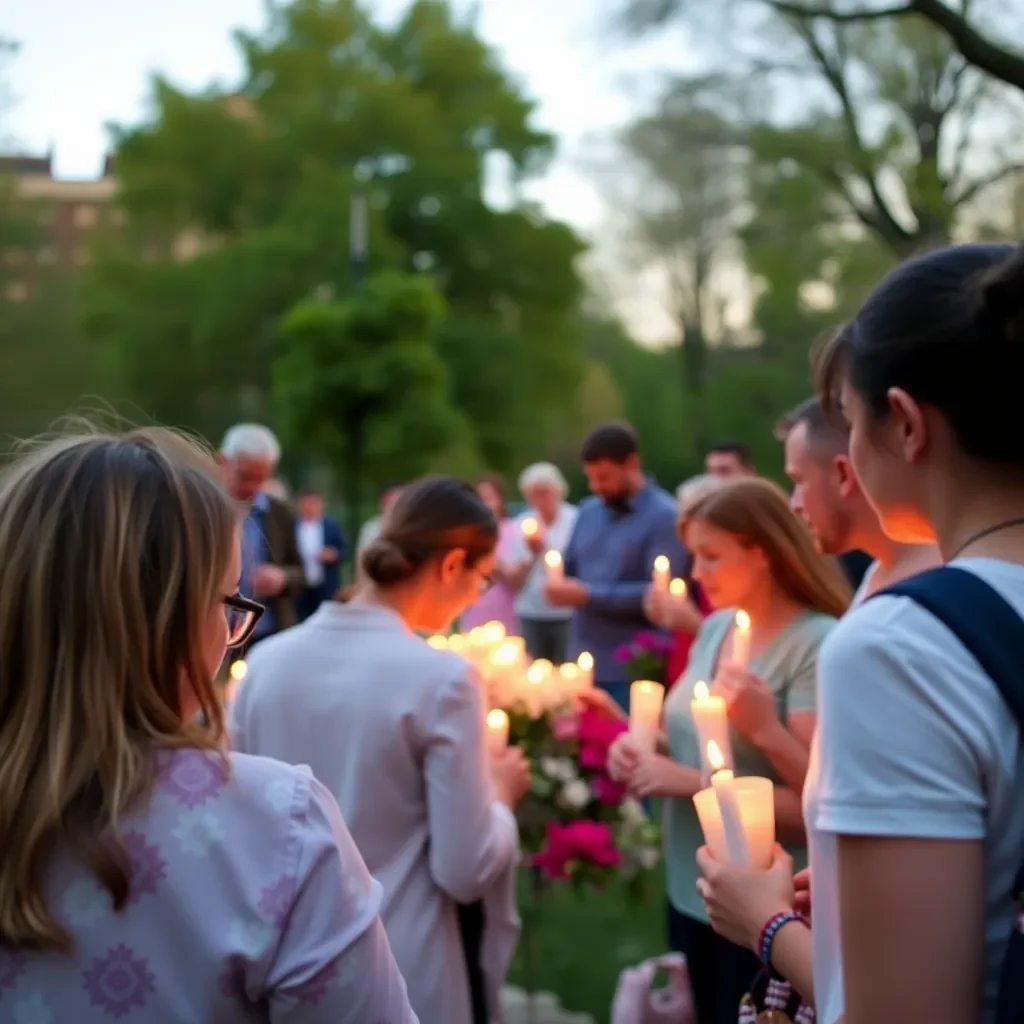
column 323, row 548
column 370, row 530
column 827, row 496
column 147, row 874
column 396, row 730
column 497, row 602
column 544, row 628
column 729, row 460
column 271, row 565
column 751, row 552
column 620, row 531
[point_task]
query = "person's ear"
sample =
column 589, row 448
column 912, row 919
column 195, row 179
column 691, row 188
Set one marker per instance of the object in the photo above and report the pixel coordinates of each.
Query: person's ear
column 846, row 479
column 910, row 424
column 452, row 565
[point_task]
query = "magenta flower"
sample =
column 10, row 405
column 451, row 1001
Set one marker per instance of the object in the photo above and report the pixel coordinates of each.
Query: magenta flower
column 589, row 841
column 276, row 900
column 192, row 776
column 597, row 732
column 623, row 653
column 646, row 640
column 608, row 791
column 119, row 981
column 148, row 868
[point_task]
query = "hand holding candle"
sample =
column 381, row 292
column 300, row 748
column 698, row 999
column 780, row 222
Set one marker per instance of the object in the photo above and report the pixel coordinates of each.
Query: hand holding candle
column 553, row 566
column 645, row 700
column 677, row 590
column 739, row 651
column 497, row 731
column 661, row 575
column 533, row 535
column 711, row 718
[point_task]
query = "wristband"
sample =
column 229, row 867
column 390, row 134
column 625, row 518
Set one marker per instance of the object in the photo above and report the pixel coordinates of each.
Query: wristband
column 773, row 926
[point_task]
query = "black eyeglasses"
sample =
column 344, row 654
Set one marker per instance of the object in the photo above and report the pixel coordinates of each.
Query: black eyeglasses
column 242, row 616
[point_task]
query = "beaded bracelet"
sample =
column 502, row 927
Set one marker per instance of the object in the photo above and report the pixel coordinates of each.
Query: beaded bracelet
column 772, row 928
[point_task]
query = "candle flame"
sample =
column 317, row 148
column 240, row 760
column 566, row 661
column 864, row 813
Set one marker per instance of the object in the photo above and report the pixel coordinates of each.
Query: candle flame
column 493, row 632
column 569, row 670
column 238, row 670
column 742, row 621
column 438, row 642
column 701, row 691
column 677, row 588
column 715, row 758
column 477, row 636
column 496, row 719
column 661, row 564
column 646, row 686
column 586, row 662
column 553, row 559
column 456, row 642
column 530, row 527
column 506, row 654
column 537, row 671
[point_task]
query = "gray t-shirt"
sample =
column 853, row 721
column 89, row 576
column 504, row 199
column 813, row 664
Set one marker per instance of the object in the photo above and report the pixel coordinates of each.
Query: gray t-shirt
column 892, row 678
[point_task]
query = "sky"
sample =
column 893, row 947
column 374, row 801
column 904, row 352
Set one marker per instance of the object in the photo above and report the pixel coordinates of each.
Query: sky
column 82, row 66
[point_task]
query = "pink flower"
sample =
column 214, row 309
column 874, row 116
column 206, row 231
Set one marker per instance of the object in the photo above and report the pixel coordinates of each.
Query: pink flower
column 597, row 732
column 646, row 639
column 276, row 901
column 119, row 981
column 192, row 776
column 565, row 726
column 589, row 841
column 608, row 791
column 624, row 653
column 148, row 868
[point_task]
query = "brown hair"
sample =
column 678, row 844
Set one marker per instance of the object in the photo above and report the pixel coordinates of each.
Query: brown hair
column 757, row 512
column 112, row 553
column 432, row 516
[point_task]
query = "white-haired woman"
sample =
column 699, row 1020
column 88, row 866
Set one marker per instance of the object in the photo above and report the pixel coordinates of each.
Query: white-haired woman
column 544, row 627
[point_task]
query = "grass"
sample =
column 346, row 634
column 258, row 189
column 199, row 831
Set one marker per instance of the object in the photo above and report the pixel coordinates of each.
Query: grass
column 575, row 944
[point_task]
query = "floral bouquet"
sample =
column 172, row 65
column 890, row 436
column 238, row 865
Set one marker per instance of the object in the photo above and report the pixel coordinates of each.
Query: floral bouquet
column 645, row 656
column 577, row 824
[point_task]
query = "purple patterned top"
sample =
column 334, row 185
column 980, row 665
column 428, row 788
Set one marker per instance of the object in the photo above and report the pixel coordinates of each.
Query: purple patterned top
column 249, row 903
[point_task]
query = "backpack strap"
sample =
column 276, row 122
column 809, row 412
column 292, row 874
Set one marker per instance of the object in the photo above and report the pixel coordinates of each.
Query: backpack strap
column 980, row 618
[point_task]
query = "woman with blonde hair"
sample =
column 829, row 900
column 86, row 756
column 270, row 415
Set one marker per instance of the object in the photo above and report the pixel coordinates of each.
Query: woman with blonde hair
column 750, row 552
column 145, row 871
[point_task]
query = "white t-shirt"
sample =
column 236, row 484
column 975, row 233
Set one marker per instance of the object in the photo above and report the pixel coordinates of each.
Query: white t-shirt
column 530, row 601
column 310, row 539
column 893, row 681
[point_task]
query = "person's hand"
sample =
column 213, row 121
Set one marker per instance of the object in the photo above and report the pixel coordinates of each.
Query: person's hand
column 623, row 756
column 536, row 542
column 602, row 701
column 268, row 580
column 567, row 593
column 328, row 556
column 652, row 775
column 750, row 703
column 740, row 902
column 656, row 604
column 802, row 892
column 510, row 771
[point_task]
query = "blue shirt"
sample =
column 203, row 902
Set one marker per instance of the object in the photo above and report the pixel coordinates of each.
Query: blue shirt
column 612, row 550
column 255, row 552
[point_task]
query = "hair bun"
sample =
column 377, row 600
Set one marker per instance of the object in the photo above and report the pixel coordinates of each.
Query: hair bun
column 385, row 563
column 1002, row 295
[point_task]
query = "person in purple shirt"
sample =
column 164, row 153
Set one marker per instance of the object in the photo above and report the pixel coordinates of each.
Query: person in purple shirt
column 619, row 533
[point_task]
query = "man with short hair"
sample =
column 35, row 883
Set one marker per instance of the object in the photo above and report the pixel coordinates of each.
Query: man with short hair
column 608, row 562
column 323, row 548
column 827, row 496
column 271, row 565
column 728, row 460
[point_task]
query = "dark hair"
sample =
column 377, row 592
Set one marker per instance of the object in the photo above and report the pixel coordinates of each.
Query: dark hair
column 822, row 430
column 615, row 442
column 947, row 327
column 498, row 483
column 737, row 448
column 433, row 515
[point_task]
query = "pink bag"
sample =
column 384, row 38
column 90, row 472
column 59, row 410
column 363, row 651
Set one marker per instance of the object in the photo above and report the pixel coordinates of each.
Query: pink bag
column 638, row 1002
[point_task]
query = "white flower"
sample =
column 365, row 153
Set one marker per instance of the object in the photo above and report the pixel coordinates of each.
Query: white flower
column 632, row 811
column 198, row 831
column 648, row 856
column 32, row 1010
column 84, row 903
column 279, row 794
column 561, row 769
column 250, row 938
column 576, row 794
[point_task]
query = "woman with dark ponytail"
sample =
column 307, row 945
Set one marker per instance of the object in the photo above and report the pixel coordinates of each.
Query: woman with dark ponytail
column 396, row 730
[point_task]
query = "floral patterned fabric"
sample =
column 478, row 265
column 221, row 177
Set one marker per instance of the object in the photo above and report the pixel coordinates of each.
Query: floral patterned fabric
column 249, row 902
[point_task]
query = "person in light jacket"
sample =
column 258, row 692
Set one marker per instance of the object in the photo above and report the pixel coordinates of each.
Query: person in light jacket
column 395, row 729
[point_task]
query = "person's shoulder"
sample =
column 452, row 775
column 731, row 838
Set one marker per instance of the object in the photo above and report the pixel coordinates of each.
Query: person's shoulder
column 715, row 624
column 814, row 627
column 588, row 506
column 662, row 500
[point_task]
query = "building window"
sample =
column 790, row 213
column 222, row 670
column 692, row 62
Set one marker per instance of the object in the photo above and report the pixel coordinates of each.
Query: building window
column 85, row 217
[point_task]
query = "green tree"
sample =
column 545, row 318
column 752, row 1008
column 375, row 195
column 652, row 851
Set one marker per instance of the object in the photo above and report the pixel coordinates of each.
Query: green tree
column 359, row 380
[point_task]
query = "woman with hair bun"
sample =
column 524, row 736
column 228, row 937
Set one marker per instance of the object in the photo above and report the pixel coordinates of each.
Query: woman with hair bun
column 395, row 729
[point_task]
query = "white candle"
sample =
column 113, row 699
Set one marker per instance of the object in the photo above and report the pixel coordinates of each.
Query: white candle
column 662, row 574
column 502, row 673
column 530, row 527
column 677, row 590
column 751, row 801
column 585, row 663
column 711, row 718
column 493, row 633
column 568, row 680
column 553, row 564
column 497, row 731
column 538, row 687
column 739, row 653
column 645, row 700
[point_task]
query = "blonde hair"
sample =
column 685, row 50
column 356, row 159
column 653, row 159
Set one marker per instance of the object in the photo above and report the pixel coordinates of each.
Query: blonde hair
column 757, row 512
column 689, row 492
column 112, row 553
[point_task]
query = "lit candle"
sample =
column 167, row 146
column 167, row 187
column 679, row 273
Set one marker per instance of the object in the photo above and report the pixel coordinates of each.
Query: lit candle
column 739, row 653
column 737, row 815
column 553, row 564
column 645, row 699
column 677, row 590
column 493, row 633
column 585, row 663
column 497, row 731
column 711, row 718
column 502, row 674
column 662, row 574
column 538, row 685
column 438, row 642
column 530, row 527
column 569, row 680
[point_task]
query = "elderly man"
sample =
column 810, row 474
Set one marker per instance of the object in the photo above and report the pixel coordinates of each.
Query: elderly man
column 271, row 565
column 544, row 627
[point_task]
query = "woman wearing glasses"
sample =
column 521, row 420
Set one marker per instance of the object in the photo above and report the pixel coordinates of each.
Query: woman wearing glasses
column 396, row 730
column 146, row 872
